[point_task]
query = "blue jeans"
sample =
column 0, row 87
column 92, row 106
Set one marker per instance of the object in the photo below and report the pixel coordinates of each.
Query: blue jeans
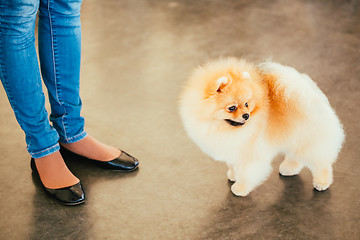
column 59, row 42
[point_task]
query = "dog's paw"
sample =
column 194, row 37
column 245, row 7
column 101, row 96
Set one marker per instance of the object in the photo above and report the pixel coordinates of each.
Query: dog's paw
column 321, row 186
column 322, row 179
column 321, row 183
column 290, row 168
column 231, row 175
column 240, row 189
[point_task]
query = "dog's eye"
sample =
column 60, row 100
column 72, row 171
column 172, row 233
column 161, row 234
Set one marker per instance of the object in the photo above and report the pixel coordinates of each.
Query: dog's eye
column 232, row 108
column 246, row 105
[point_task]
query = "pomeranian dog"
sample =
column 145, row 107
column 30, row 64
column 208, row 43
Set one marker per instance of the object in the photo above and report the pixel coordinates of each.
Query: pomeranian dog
column 245, row 114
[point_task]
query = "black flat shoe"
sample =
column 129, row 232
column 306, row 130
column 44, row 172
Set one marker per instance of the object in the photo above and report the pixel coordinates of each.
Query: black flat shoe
column 72, row 195
column 124, row 163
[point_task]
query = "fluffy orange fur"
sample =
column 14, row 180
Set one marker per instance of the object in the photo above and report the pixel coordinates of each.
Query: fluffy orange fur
column 281, row 110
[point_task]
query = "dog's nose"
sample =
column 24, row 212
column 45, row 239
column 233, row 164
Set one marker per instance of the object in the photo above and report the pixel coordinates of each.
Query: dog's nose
column 246, row 116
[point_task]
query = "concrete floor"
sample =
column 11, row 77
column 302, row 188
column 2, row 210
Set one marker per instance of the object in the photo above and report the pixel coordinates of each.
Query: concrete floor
column 136, row 56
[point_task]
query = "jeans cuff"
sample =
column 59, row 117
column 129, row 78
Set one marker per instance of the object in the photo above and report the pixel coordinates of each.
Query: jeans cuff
column 46, row 151
column 75, row 138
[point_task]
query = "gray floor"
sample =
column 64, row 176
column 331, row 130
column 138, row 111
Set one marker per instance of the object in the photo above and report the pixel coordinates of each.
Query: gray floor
column 136, row 56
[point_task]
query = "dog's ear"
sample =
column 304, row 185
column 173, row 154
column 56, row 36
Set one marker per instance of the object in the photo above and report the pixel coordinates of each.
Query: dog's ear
column 221, row 83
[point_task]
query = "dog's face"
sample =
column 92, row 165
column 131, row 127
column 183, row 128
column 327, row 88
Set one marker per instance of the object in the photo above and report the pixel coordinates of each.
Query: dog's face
column 226, row 94
column 235, row 98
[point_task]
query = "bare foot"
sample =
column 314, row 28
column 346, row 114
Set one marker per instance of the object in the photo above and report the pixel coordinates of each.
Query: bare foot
column 91, row 148
column 53, row 171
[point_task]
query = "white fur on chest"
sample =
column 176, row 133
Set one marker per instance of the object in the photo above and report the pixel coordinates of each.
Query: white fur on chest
column 229, row 146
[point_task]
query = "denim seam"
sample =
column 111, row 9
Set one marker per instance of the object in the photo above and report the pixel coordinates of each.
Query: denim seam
column 77, row 138
column 53, row 48
column 47, row 149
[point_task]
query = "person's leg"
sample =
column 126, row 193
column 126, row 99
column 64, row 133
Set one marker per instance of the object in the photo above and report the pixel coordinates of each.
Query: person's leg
column 20, row 76
column 60, row 53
